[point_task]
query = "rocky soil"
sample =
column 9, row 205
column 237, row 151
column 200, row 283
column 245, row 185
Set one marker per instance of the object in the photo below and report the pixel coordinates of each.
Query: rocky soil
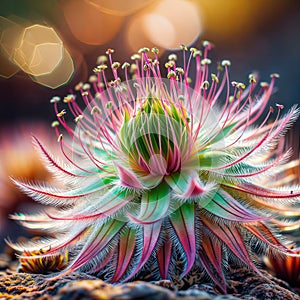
column 242, row 284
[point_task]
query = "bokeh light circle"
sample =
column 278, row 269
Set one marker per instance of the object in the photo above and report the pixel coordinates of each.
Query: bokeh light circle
column 88, row 24
column 166, row 24
column 40, row 50
column 119, row 7
column 60, row 75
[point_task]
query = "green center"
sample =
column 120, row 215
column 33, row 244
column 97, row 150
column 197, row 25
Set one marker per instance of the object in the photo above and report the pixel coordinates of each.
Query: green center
column 156, row 137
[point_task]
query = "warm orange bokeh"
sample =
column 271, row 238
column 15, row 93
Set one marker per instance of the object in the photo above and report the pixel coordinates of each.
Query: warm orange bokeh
column 40, row 50
column 88, row 24
column 60, row 75
column 165, row 24
column 119, row 7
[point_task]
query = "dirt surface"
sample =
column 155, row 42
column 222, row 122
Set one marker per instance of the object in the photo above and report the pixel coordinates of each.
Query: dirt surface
column 242, row 284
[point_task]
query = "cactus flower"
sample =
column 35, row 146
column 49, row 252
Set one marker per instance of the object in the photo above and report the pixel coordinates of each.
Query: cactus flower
column 160, row 170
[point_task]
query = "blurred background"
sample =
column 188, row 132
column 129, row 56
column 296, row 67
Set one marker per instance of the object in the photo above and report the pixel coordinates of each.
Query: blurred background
column 47, row 47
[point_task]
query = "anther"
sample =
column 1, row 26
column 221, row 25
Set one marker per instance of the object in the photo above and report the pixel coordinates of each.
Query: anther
column 135, row 57
column 125, row 65
column 205, row 61
column 252, row 78
column 144, row 50
column 180, row 71
column 241, row 85
column 55, row 99
column 101, row 59
column 93, row 78
column 108, row 104
column 280, row 106
column 133, row 67
column 102, row 67
column 205, row 85
column 219, row 68
column 136, row 85
column 197, row 53
column 275, row 75
column 115, row 65
column 183, row 47
column 110, row 51
column 78, row 86
column 69, row 98
column 214, row 77
column 226, row 63
column 78, row 118
column 172, row 56
column 155, row 50
column 206, row 44
column 60, row 114
column 86, row 87
column 54, row 124
column 169, row 64
column 171, row 74
column 181, row 98
column 95, row 110
column 264, row 84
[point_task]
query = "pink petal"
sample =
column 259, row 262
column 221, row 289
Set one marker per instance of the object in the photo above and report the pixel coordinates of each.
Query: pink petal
column 183, row 222
column 125, row 252
column 151, row 234
column 128, row 178
column 164, row 254
column 232, row 238
column 210, row 255
column 194, row 189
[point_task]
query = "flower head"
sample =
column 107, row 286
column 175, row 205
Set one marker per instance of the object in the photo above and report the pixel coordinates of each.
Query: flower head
column 42, row 265
column 164, row 170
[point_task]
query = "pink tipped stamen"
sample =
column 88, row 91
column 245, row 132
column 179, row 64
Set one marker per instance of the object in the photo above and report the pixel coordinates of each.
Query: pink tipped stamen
column 62, row 144
column 53, row 162
column 262, row 192
column 262, row 125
